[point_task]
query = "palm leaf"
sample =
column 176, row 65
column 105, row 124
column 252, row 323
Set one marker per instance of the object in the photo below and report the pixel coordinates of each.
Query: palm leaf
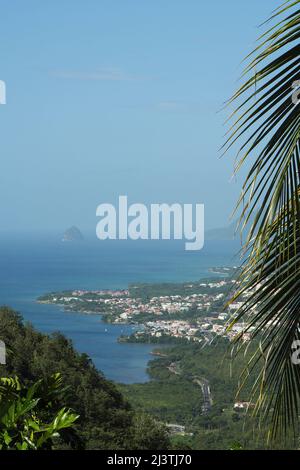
column 265, row 125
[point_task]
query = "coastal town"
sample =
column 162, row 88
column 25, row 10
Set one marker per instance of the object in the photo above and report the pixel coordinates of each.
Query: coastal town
column 175, row 312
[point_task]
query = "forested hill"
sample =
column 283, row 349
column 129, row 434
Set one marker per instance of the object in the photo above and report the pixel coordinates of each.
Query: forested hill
column 106, row 419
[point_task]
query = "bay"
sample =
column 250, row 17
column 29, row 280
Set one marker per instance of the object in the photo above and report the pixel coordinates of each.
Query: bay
column 33, row 264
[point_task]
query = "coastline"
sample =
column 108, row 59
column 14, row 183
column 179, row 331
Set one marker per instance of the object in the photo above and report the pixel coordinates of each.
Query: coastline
column 159, row 313
column 40, row 263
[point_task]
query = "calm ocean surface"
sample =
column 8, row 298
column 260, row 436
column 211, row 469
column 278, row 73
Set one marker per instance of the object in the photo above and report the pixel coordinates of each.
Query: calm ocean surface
column 33, row 265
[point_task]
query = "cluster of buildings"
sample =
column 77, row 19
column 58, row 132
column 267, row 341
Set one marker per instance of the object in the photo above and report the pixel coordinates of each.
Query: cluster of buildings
column 191, row 316
column 195, row 330
column 174, row 328
column 129, row 308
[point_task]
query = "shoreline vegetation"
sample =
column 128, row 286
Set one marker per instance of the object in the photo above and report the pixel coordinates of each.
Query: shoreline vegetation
column 190, row 399
column 193, row 381
column 189, row 402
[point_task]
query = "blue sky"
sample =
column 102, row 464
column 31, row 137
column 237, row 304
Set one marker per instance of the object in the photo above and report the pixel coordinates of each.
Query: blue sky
column 112, row 97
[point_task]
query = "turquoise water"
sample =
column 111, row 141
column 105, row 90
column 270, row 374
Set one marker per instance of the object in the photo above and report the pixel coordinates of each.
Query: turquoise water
column 32, row 265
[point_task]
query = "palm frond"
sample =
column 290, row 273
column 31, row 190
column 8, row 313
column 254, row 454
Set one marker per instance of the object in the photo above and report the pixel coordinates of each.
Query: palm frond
column 266, row 125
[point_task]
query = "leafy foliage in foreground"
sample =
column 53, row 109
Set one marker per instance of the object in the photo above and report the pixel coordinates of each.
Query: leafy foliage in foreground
column 266, row 127
column 106, row 420
column 22, row 425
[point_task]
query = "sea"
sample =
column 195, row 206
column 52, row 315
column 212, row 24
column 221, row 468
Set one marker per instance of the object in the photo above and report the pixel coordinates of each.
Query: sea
column 34, row 264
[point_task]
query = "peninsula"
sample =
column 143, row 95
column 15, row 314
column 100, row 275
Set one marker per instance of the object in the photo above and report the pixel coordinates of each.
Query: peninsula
column 167, row 312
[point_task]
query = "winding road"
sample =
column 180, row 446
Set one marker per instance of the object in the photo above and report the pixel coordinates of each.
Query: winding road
column 203, row 383
column 207, row 399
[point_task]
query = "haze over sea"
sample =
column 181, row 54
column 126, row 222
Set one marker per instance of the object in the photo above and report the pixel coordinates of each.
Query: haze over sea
column 31, row 265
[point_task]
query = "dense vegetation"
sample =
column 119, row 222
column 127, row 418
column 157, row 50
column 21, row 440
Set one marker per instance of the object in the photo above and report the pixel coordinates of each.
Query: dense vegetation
column 174, row 396
column 106, row 420
column 146, row 291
